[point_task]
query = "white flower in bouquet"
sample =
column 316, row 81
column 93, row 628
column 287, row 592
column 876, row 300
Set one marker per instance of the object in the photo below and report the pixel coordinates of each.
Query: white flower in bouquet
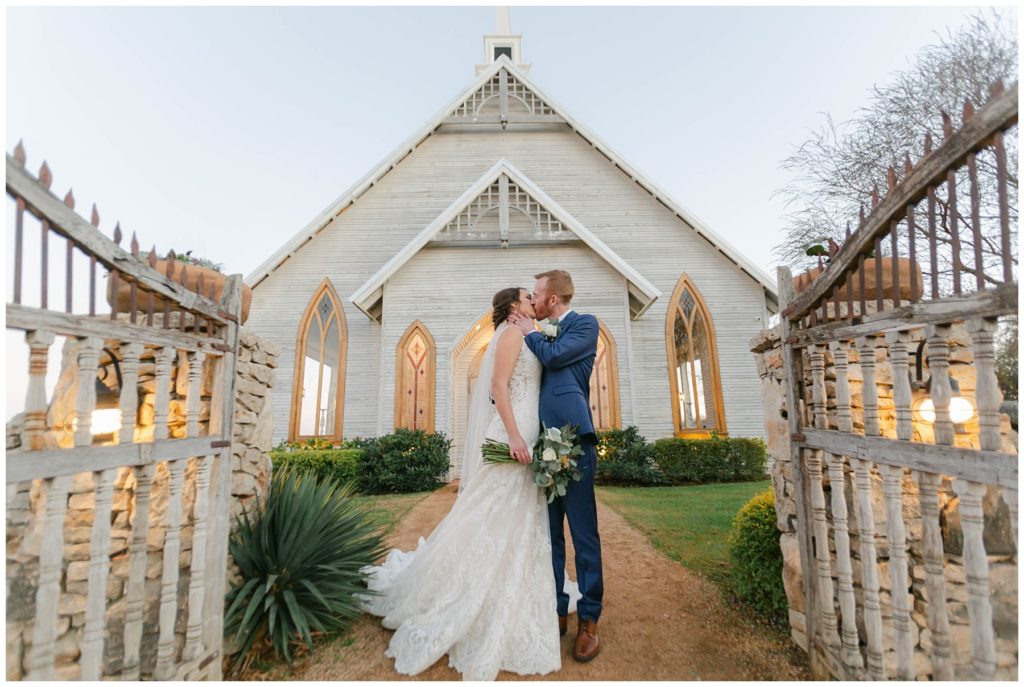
column 549, row 455
column 553, row 434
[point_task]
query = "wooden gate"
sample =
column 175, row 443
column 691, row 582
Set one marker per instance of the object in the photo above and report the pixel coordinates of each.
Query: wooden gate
column 950, row 239
column 185, row 344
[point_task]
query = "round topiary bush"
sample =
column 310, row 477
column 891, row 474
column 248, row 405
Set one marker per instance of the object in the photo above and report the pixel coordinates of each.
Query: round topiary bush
column 757, row 558
column 403, row 462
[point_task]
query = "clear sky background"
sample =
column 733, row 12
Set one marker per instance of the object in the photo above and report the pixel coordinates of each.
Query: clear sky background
column 225, row 130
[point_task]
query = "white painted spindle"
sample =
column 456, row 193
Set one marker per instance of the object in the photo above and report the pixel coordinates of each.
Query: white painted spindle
column 847, row 602
column 161, row 406
column 935, row 580
column 864, row 511
column 979, row 607
column 130, row 353
column 869, row 392
column 135, row 595
column 193, row 636
column 169, row 582
column 99, row 567
column 901, row 393
column 940, row 389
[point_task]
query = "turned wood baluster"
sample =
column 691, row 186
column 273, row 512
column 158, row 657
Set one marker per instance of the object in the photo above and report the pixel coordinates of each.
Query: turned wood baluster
column 169, row 582
column 130, row 353
column 869, row 567
column 42, row 655
column 85, row 401
column 866, row 348
column 892, row 488
column 817, row 358
column 161, row 405
column 196, row 591
column 33, row 437
column 826, row 593
column 987, row 393
column 99, row 567
column 941, row 391
column 901, row 393
column 135, row 593
column 844, row 567
column 979, row 606
column 193, row 638
column 935, row 581
column 840, row 361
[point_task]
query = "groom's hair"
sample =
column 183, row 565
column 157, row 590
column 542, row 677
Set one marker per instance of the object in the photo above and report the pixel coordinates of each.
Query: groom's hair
column 559, row 283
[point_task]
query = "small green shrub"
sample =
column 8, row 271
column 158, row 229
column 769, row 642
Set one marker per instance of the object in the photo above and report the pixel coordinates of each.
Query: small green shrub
column 403, row 462
column 715, row 459
column 338, row 464
column 625, row 458
column 756, row 559
column 299, row 556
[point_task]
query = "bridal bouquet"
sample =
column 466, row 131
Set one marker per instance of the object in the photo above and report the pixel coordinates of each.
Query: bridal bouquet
column 554, row 458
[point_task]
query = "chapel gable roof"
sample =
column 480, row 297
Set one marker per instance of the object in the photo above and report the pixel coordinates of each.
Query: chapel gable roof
column 550, row 222
column 483, row 102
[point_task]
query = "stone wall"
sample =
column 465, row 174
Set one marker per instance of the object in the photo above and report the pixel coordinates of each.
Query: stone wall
column 252, row 430
column 998, row 533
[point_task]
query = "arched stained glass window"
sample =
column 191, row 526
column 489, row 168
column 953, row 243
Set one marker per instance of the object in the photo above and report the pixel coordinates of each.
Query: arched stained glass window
column 604, row 383
column 318, row 391
column 414, row 379
column 697, row 406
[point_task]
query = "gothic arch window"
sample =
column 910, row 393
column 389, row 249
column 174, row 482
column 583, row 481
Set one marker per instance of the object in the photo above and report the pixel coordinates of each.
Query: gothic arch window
column 318, row 390
column 697, row 407
column 414, row 379
column 604, row 383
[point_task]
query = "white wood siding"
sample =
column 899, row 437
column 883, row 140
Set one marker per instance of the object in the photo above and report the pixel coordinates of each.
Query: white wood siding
column 634, row 225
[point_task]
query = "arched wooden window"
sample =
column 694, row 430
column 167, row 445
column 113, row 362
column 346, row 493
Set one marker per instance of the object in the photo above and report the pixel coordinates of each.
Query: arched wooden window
column 414, row 379
column 697, row 406
column 604, row 383
column 318, row 390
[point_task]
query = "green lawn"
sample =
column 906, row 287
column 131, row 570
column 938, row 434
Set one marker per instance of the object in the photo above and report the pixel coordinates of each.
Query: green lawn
column 388, row 509
column 689, row 524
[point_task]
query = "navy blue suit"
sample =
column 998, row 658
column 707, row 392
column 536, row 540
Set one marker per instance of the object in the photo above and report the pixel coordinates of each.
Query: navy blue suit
column 565, row 399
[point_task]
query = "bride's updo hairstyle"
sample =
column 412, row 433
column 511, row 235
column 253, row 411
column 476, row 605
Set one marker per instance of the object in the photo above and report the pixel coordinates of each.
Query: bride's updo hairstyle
column 502, row 304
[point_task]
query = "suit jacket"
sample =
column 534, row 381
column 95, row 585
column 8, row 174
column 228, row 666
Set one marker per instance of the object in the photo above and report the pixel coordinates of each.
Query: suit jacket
column 568, row 362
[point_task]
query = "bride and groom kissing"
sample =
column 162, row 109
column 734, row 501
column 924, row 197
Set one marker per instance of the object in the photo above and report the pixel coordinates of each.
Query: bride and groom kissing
column 482, row 586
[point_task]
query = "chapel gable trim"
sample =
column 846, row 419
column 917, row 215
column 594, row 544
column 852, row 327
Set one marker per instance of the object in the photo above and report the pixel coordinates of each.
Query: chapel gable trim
column 501, row 99
column 369, row 297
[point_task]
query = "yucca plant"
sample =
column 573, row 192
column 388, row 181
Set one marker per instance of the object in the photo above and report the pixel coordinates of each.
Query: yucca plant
column 299, row 554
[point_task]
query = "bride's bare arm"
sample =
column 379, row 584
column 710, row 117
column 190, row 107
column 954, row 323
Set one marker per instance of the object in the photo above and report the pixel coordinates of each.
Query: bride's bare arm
column 509, row 345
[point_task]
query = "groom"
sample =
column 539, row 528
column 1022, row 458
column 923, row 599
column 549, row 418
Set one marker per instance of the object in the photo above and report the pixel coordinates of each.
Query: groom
column 567, row 348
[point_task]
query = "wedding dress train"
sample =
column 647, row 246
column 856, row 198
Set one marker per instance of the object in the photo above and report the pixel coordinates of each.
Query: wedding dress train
column 480, row 586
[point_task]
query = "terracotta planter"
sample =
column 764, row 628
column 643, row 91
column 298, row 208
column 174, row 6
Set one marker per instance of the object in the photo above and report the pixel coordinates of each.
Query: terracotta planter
column 906, row 269
column 210, row 277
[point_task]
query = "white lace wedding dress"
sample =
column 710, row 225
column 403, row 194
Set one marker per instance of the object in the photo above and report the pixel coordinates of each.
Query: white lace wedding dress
column 480, row 586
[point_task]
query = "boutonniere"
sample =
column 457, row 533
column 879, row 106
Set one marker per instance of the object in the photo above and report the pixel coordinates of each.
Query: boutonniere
column 551, row 329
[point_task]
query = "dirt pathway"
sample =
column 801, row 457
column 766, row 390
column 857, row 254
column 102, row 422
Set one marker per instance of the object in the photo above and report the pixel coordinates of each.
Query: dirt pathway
column 660, row 622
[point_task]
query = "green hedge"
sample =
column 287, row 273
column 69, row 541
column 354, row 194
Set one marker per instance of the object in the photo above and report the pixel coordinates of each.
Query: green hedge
column 403, row 462
column 340, row 465
column 757, row 559
column 625, row 458
column 715, row 459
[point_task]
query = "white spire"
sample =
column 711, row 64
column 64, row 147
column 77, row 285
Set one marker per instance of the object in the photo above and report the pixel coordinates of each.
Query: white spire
column 503, row 42
column 501, row 25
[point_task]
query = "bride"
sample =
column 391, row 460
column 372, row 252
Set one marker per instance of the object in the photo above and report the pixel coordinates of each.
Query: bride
column 480, row 587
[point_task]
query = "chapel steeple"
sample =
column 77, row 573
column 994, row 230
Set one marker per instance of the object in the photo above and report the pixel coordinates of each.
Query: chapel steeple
column 503, row 42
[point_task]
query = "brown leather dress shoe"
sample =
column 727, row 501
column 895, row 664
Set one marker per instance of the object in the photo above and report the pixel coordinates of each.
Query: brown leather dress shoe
column 587, row 644
column 563, row 625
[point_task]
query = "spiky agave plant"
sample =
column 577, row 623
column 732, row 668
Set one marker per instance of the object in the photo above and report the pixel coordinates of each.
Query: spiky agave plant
column 299, row 558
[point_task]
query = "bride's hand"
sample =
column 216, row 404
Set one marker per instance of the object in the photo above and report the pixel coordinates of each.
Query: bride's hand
column 523, row 323
column 518, row 450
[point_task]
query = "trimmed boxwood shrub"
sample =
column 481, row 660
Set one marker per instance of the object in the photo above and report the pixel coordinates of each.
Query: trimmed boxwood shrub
column 715, row 459
column 403, row 462
column 625, row 458
column 340, row 465
column 756, row 558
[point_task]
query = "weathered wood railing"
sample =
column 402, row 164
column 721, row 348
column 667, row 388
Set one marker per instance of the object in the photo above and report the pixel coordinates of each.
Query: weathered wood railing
column 858, row 627
column 173, row 631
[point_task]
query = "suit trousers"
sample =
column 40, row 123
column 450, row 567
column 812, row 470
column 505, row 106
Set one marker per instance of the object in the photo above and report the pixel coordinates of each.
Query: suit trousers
column 579, row 505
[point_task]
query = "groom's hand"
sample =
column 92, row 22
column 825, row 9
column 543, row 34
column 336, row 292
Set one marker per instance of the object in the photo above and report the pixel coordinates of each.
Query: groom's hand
column 523, row 323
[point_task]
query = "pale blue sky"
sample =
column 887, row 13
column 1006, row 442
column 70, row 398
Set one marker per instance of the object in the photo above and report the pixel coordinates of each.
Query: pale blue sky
column 225, row 130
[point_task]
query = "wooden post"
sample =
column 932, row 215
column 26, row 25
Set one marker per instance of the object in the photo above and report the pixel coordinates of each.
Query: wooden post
column 793, row 381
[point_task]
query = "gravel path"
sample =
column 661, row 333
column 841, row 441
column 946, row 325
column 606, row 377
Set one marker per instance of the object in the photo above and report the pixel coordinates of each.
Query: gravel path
column 660, row 622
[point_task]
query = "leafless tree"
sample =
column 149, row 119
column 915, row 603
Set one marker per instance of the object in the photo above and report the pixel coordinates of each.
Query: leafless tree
column 836, row 169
